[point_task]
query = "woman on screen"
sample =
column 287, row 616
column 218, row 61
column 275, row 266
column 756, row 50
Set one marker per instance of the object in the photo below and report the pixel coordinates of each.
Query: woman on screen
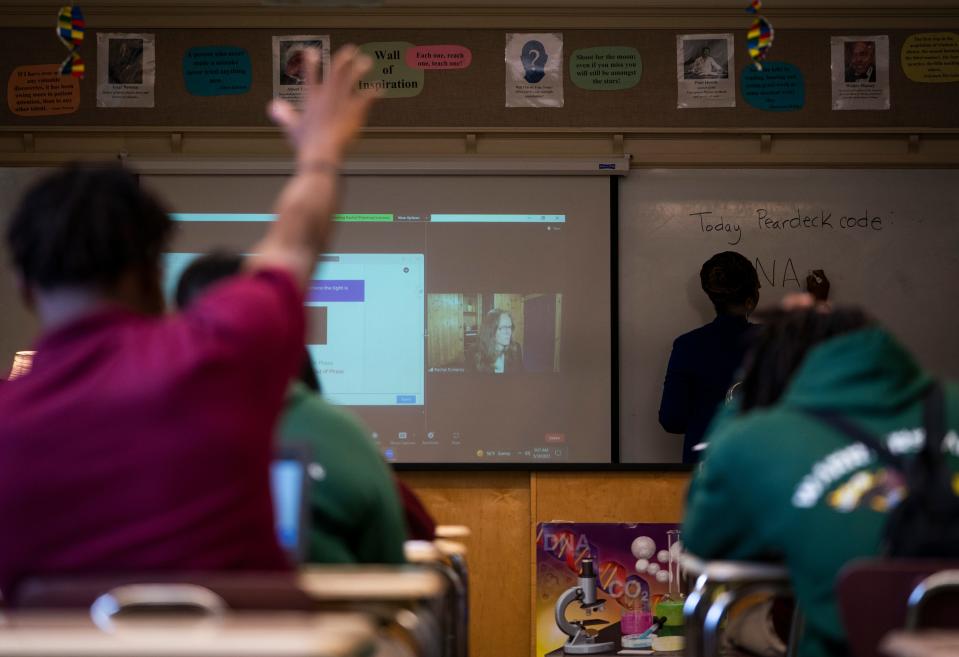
column 496, row 351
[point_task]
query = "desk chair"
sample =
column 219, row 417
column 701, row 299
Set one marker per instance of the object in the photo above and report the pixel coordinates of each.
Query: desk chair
column 283, row 634
column 240, row 591
column 410, row 600
column 928, row 643
column 705, row 608
column 453, row 532
column 449, row 541
column 405, row 601
column 448, row 558
column 877, row 596
column 928, row 592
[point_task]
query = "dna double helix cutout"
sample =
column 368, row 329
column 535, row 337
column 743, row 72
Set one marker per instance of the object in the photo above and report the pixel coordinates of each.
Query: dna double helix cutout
column 759, row 38
column 70, row 29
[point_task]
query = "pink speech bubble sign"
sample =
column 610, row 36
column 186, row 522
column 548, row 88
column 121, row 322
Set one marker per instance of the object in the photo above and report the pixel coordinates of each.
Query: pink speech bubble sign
column 439, row 57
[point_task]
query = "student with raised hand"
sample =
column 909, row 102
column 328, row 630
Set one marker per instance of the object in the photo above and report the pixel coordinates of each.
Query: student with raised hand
column 780, row 481
column 355, row 514
column 704, row 361
column 138, row 441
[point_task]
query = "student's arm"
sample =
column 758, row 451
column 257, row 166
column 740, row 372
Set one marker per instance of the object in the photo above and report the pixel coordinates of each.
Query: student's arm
column 674, row 406
column 333, row 113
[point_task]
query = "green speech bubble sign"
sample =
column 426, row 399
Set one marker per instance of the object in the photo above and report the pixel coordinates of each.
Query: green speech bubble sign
column 606, row 68
column 390, row 73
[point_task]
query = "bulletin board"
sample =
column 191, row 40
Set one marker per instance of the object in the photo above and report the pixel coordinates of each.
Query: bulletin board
column 475, row 96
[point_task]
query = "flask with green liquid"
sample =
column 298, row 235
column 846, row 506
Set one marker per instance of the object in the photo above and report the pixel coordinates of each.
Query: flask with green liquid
column 670, row 605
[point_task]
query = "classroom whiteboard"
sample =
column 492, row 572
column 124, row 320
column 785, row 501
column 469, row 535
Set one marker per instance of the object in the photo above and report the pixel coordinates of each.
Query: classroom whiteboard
column 887, row 239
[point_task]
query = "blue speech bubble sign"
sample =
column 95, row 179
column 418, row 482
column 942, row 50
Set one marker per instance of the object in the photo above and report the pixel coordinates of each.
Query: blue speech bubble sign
column 217, row 70
column 779, row 87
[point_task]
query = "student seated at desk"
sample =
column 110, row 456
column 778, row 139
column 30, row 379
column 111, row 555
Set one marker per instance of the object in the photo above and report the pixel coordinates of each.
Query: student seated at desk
column 779, row 483
column 142, row 441
column 355, row 513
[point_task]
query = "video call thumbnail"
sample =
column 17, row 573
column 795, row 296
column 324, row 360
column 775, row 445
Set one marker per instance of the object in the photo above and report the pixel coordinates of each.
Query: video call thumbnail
column 494, row 333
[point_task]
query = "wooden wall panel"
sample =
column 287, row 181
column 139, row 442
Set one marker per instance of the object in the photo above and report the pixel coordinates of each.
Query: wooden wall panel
column 609, row 496
column 445, row 330
column 502, row 509
column 496, row 507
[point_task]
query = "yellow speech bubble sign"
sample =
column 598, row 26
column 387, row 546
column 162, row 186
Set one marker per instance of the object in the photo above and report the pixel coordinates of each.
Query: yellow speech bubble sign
column 931, row 57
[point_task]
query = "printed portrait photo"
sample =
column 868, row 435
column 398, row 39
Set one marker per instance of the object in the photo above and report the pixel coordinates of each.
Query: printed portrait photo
column 292, row 61
column 859, row 58
column 125, row 61
column 705, row 59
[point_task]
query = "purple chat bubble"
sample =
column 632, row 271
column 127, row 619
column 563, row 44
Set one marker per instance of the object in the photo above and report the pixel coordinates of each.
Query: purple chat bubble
column 336, row 291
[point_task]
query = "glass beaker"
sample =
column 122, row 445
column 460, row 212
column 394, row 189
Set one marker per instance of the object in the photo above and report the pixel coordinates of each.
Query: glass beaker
column 670, row 605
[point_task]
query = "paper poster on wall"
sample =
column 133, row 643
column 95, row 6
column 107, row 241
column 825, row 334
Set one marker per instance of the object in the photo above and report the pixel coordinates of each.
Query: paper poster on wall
column 126, row 70
column 534, row 69
column 931, row 57
column 632, row 565
column 439, row 58
column 703, row 66
column 289, row 63
column 391, row 75
column 605, row 68
column 778, row 87
column 860, row 72
column 40, row 90
column 217, row 70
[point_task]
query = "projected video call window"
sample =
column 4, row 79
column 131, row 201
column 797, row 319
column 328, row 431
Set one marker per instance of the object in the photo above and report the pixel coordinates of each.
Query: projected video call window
column 496, row 333
column 464, row 319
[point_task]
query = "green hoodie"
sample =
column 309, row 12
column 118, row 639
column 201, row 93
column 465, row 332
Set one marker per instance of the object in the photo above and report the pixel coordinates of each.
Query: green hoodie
column 778, row 484
column 356, row 516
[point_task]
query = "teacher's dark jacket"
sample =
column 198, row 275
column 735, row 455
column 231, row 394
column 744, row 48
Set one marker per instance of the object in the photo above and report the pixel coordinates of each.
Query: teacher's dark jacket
column 701, row 369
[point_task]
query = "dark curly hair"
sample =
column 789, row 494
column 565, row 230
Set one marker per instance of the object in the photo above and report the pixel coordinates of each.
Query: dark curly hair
column 87, row 225
column 729, row 280
column 782, row 345
column 203, row 272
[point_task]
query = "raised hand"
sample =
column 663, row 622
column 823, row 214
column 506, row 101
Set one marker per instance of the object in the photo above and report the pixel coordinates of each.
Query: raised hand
column 332, row 115
column 333, row 111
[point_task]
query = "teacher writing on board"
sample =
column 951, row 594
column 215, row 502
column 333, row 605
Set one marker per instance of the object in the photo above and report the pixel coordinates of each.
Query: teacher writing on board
column 703, row 362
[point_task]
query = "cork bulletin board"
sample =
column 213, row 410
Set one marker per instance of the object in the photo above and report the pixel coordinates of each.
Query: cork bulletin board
column 475, row 96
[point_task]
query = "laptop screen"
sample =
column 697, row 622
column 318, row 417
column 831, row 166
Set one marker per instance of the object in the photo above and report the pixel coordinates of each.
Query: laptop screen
column 288, row 481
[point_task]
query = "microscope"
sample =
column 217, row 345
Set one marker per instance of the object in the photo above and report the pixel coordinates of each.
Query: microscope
column 582, row 640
